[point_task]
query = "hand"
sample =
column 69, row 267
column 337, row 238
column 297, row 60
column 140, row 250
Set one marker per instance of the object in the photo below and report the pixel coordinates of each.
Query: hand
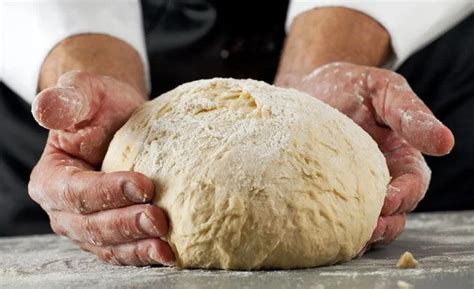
column 105, row 213
column 383, row 104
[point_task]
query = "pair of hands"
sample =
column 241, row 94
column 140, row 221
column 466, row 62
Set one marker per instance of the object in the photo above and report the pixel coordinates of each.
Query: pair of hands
column 110, row 215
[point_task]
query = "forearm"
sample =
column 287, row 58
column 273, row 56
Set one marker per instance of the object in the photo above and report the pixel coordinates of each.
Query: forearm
column 96, row 53
column 326, row 35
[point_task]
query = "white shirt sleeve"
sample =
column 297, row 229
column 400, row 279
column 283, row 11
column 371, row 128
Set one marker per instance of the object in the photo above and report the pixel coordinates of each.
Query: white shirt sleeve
column 32, row 28
column 411, row 24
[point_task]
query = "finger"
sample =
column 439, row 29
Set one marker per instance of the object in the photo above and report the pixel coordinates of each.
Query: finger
column 410, row 175
column 388, row 228
column 58, row 108
column 403, row 194
column 89, row 143
column 62, row 183
column 86, row 122
column 399, row 107
column 139, row 253
column 66, row 105
column 111, row 227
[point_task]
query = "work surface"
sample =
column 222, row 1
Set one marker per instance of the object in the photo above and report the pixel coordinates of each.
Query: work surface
column 443, row 243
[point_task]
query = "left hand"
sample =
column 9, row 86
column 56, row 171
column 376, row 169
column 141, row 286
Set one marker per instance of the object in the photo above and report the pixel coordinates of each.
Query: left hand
column 383, row 104
column 104, row 213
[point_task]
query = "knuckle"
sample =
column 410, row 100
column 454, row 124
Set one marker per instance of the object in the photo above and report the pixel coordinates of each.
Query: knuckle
column 105, row 194
column 36, row 187
column 396, row 77
column 83, row 246
column 57, row 229
column 141, row 255
column 424, row 170
column 109, row 255
column 422, row 175
column 93, row 234
column 72, row 76
column 73, row 201
column 397, row 230
column 35, row 192
column 128, row 230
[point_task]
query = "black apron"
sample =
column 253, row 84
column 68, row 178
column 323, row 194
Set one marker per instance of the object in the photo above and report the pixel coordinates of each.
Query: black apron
column 193, row 39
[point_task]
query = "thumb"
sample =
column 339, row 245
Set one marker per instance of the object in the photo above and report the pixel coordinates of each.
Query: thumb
column 60, row 108
column 401, row 109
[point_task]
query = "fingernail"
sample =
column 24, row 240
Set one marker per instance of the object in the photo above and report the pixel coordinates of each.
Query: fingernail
column 146, row 224
column 168, row 261
column 134, row 194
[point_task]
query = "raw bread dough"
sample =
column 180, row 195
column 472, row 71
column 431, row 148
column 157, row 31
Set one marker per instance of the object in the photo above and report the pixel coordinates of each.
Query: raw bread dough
column 407, row 261
column 255, row 176
column 404, row 285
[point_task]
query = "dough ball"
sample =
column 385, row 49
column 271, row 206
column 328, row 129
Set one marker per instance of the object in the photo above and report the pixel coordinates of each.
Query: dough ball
column 254, row 176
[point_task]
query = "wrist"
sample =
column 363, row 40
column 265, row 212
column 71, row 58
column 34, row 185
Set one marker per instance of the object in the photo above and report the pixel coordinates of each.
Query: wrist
column 332, row 34
column 97, row 54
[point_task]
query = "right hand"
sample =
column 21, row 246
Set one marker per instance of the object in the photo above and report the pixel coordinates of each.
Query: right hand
column 105, row 213
column 384, row 105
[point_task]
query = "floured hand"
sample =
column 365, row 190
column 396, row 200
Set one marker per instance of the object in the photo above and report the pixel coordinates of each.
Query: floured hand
column 383, row 104
column 107, row 214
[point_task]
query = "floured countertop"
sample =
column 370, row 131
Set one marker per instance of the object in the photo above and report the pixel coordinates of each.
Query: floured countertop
column 443, row 243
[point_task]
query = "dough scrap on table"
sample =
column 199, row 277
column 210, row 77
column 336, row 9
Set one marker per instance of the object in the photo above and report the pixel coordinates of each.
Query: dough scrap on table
column 407, row 261
column 404, row 285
